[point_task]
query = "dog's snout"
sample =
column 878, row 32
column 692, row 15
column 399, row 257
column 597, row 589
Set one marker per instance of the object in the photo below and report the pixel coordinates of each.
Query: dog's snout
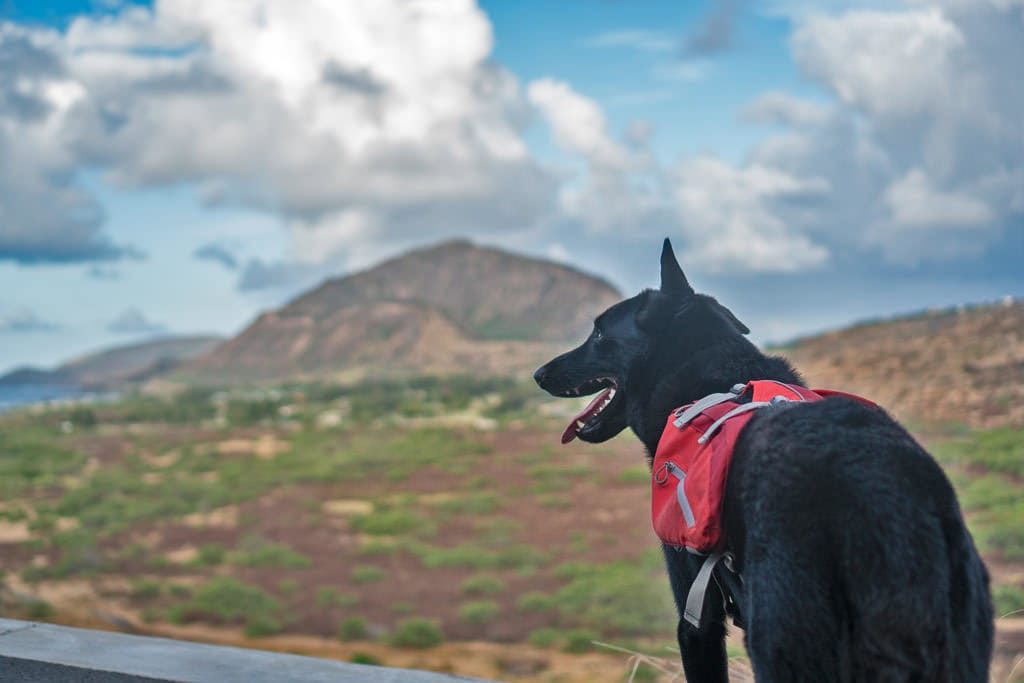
column 539, row 376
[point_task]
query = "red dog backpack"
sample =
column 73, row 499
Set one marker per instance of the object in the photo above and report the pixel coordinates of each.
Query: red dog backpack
column 692, row 460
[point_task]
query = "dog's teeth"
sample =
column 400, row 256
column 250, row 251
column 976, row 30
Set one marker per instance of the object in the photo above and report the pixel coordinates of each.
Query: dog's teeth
column 611, row 394
column 580, row 424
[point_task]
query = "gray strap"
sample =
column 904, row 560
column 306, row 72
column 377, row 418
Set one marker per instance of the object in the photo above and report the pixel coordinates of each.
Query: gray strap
column 738, row 410
column 684, row 502
column 699, row 589
column 683, row 418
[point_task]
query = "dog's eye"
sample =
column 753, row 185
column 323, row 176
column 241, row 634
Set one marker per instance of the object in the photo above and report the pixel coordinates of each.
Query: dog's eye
column 597, row 334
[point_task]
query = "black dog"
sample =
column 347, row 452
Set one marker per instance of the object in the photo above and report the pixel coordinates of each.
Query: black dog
column 855, row 559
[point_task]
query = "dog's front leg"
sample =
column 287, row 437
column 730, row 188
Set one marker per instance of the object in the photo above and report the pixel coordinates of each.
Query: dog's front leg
column 703, row 650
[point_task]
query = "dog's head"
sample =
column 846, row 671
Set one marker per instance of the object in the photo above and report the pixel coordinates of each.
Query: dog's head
column 632, row 345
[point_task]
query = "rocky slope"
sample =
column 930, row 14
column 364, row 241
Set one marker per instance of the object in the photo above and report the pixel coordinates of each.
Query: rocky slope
column 959, row 366
column 454, row 307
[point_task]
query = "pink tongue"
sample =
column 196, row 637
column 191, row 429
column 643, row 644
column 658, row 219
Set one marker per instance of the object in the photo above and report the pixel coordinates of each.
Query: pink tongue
column 570, row 432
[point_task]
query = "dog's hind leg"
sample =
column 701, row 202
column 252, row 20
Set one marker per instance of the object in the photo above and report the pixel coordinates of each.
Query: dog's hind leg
column 793, row 632
column 703, row 650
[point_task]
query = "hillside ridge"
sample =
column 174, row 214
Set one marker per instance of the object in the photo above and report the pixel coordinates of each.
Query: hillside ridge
column 961, row 365
column 112, row 367
column 449, row 307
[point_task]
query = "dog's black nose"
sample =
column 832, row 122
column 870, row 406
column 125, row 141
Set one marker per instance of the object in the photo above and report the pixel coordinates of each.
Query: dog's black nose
column 539, row 376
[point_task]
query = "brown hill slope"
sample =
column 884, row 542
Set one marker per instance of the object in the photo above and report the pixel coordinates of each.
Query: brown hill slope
column 454, row 307
column 947, row 366
column 114, row 367
column 137, row 362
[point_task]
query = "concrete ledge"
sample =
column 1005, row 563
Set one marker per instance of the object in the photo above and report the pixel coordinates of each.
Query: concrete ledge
column 34, row 653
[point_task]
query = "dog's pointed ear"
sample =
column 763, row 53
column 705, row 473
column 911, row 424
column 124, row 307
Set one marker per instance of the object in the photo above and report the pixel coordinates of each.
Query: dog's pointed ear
column 672, row 279
column 740, row 327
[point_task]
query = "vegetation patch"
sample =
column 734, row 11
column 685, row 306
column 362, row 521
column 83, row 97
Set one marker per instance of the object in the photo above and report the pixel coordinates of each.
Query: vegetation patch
column 621, row 598
column 482, row 584
column 1008, row 599
column 479, row 612
column 994, row 508
column 230, row 601
column 256, row 551
column 367, row 573
column 417, row 632
column 999, row 450
column 33, row 459
column 477, row 557
column 393, row 522
column 469, row 504
column 353, row 628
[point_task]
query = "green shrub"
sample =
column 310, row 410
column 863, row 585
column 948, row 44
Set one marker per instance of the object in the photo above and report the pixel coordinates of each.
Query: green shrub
column 178, row 614
column 328, row 596
column 379, row 547
column 32, row 459
column 365, row 658
column 470, row 504
column 479, row 612
column 482, row 584
column 1007, row 599
column 353, row 628
column 543, row 637
column 256, row 551
column 1000, row 450
column 417, row 633
column 146, row 589
column 288, row 586
column 209, row 555
column 625, row 598
column 249, row 412
column 535, row 601
column 227, row 599
column 393, row 522
column 367, row 573
column 645, row 673
column 151, row 615
column 261, row 626
column 179, row 590
column 580, row 640
column 38, row 609
column 477, row 557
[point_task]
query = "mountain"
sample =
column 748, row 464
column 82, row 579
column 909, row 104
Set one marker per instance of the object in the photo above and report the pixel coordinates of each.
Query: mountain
column 955, row 366
column 114, row 367
column 453, row 307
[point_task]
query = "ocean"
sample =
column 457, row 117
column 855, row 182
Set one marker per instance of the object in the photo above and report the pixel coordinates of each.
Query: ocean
column 16, row 395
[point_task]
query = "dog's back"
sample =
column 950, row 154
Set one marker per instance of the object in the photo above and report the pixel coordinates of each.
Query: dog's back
column 857, row 563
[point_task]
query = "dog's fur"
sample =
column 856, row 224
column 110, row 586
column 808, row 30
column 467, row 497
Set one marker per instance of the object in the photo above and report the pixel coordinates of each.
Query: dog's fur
column 856, row 562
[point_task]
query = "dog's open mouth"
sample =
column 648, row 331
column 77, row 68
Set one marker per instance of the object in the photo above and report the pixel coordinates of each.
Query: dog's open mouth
column 589, row 416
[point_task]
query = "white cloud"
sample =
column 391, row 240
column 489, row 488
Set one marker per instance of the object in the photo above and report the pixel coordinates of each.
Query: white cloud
column 389, row 109
column 915, row 204
column 886, row 63
column 577, row 123
column 43, row 215
column 924, row 148
column 372, row 125
column 731, row 218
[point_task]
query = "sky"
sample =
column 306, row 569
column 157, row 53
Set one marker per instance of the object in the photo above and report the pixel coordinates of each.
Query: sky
column 178, row 167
